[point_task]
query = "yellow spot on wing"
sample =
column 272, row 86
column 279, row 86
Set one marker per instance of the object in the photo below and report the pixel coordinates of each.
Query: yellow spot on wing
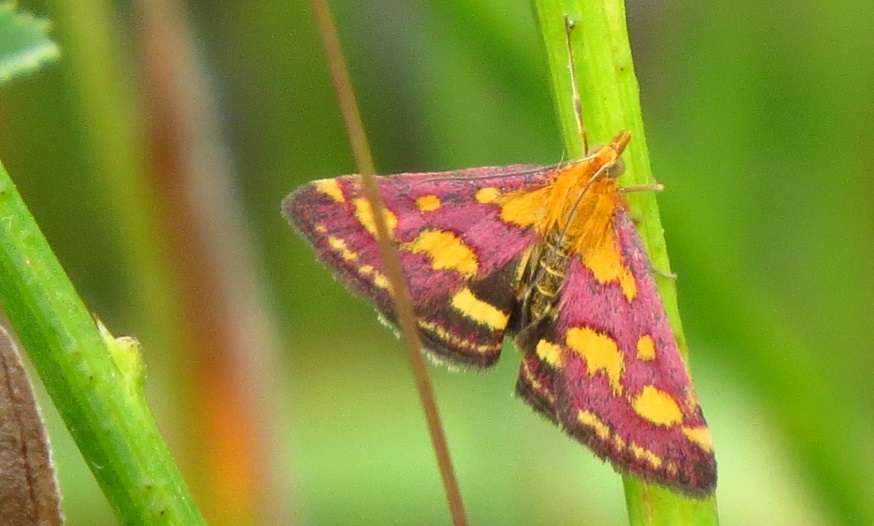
column 478, row 310
column 447, row 251
column 605, row 262
column 644, row 454
column 550, row 353
column 364, row 214
column 452, row 340
column 600, row 353
column 594, row 423
column 330, row 187
column 382, row 282
column 428, row 203
column 535, row 383
column 339, row 246
column 657, row 406
column 376, row 277
column 525, row 208
column 526, row 372
column 645, row 348
column 653, row 459
column 487, row 195
column 618, row 443
column 701, row 436
column 604, row 433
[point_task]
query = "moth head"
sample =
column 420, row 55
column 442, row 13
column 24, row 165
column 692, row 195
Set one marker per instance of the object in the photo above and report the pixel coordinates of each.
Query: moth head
column 615, row 169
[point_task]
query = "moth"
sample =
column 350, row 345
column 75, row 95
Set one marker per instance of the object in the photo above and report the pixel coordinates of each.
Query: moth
column 549, row 256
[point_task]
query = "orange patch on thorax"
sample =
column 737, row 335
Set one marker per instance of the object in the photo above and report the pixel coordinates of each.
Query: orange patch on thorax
column 582, row 212
column 571, row 203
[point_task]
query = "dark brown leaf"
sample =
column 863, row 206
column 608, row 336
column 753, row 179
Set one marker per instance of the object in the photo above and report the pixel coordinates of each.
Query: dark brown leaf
column 28, row 488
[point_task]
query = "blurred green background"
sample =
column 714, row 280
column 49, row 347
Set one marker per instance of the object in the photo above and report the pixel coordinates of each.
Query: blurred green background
column 760, row 123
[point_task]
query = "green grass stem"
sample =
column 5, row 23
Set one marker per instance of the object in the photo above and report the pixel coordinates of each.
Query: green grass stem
column 90, row 385
column 610, row 100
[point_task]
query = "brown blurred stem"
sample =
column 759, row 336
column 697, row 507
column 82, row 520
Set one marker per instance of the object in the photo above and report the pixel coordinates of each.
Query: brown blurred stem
column 232, row 367
column 403, row 303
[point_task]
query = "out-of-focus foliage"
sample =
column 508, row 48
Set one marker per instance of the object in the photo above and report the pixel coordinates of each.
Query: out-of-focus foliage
column 24, row 43
column 760, row 124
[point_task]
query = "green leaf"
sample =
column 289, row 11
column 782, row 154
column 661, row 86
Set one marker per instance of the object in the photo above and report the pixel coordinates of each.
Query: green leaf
column 24, row 43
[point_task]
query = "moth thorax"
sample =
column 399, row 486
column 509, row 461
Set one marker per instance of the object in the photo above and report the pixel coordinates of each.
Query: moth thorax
column 583, row 197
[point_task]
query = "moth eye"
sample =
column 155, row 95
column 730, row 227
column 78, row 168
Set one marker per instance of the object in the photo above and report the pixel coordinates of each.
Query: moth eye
column 617, row 169
column 614, row 171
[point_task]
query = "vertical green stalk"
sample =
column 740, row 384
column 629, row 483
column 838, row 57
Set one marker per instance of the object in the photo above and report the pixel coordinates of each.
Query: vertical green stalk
column 96, row 385
column 112, row 128
column 610, row 101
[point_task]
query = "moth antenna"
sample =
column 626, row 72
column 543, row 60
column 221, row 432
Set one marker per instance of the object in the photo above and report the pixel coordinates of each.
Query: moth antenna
column 527, row 171
column 575, row 91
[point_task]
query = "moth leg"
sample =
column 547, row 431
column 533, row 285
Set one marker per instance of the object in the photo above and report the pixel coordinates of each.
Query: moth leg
column 648, row 187
column 653, row 271
column 667, row 275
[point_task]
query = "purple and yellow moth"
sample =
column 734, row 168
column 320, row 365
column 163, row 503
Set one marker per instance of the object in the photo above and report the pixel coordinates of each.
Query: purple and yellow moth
column 549, row 255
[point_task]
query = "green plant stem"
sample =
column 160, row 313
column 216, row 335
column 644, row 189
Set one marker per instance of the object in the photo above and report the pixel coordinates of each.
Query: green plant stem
column 89, row 386
column 111, row 125
column 610, row 101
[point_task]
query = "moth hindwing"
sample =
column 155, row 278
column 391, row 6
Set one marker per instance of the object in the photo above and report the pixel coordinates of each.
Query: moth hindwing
column 550, row 256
